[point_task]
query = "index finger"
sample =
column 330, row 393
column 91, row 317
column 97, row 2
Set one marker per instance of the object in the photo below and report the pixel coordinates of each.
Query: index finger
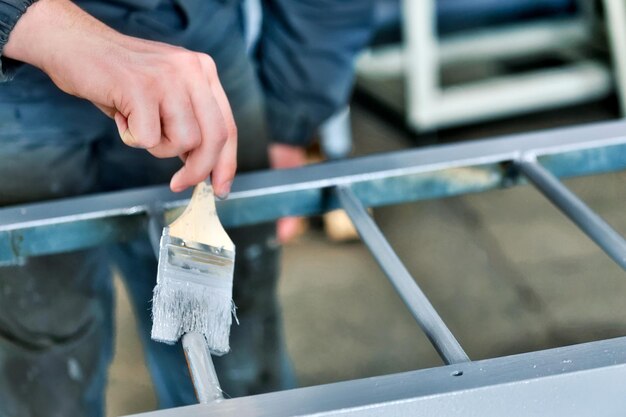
column 201, row 160
column 226, row 164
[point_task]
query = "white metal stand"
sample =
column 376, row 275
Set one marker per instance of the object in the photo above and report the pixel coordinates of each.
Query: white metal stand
column 429, row 105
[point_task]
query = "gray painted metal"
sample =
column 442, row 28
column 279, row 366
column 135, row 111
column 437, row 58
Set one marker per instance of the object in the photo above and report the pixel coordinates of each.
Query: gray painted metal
column 422, row 310
column 581, row 380
column 201, row 368
column 439, row 171
column 592, row 224
column 555, row 382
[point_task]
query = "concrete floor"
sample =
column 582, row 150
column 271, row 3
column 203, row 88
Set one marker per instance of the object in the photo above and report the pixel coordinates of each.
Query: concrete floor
column 507, row 272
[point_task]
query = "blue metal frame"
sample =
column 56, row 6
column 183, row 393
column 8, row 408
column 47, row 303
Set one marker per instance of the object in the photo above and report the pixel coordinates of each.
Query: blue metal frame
column 435, row 172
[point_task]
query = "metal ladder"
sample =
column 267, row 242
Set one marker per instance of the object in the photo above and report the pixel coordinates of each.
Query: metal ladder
column 576, row 380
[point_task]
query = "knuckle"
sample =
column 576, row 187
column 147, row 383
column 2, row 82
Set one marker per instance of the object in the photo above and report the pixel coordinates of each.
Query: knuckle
column 188, row 60
column 185, row 60
column 150, row 140
column 221, row 139
column 194, row 140
column 232, row 131
column 208, row 64
column 186, row 143
column 186, row 138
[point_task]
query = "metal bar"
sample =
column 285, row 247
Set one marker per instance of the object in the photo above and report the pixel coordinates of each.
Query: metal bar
column 421, row 60
column 615, row 15
column 577, row 82
column 586, row 219
column 514, row 41
column 531, row 38
column 416, row 301
column 439, row 171
column 580, row 380
column 201, row 368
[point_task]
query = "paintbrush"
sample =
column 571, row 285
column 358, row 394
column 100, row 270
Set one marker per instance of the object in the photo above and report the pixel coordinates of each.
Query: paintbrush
column 195, row 276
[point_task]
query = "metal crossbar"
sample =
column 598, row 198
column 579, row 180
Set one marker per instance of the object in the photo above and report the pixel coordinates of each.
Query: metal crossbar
column 597, row 229
column 531, row 381
column 422, row 310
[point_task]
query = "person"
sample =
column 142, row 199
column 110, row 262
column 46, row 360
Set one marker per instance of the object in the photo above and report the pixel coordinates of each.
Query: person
column 175, row 77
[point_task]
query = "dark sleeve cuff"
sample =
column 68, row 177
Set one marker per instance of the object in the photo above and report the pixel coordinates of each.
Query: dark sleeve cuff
column 10, row 12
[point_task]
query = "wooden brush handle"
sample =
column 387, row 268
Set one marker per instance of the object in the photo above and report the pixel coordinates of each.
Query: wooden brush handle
column 199, row 222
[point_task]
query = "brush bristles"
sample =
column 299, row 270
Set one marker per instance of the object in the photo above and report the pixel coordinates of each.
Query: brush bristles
column 180, row 308
column 193, row 293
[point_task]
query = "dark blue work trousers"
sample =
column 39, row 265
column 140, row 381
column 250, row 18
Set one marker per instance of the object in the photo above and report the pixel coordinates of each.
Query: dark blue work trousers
column 56, row 324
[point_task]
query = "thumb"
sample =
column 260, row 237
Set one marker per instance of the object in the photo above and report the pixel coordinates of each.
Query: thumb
column 122, row 128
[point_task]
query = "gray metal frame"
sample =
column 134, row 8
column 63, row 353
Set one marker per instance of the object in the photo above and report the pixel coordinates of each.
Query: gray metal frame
column 576, row 380
column 582, row 380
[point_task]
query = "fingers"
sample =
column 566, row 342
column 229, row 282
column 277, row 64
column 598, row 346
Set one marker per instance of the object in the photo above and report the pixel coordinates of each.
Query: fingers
column 217, row 152
column 225, row 168
column 180, row 130
column 284, row 156
column 141, row 128
column 181, row 111
column 121, row 123
column 226, row 164
column 201, row 160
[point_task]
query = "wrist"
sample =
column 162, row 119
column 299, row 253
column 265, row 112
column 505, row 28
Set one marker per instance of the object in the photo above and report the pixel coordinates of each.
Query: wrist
column 25, row 42
column 49, row 34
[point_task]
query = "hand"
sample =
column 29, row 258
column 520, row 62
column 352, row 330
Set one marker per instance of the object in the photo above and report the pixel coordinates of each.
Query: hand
column 165, row 99
column 286, row 156
column 283, row 157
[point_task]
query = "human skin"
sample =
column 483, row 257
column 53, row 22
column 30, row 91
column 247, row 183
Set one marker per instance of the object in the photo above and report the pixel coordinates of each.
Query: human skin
column 165, row 99
column 284, row 156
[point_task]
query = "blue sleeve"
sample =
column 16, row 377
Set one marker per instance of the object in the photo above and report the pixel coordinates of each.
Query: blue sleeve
column 306, row 58
column 10, row 12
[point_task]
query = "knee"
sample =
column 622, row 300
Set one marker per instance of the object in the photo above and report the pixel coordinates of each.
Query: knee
column 52, row 300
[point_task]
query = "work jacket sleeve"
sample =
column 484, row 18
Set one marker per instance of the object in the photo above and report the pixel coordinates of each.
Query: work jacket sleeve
column 10, row 12
column 306, row 56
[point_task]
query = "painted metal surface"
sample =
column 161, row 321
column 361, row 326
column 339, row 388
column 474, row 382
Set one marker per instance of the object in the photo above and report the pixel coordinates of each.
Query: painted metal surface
column 581, row 380
column 573, row 381
column 588, row 221
column 201, row 368
column 438, row 171
column 416, row 301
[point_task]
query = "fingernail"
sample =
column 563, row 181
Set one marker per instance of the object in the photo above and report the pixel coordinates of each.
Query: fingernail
column 225, row 190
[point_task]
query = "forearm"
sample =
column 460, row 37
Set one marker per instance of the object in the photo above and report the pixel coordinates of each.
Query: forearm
column 33, row 38
column 10, row 12
column 55, row 33
column 165, row 99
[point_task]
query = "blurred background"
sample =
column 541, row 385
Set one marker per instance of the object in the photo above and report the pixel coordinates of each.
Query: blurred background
column 507, row 272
